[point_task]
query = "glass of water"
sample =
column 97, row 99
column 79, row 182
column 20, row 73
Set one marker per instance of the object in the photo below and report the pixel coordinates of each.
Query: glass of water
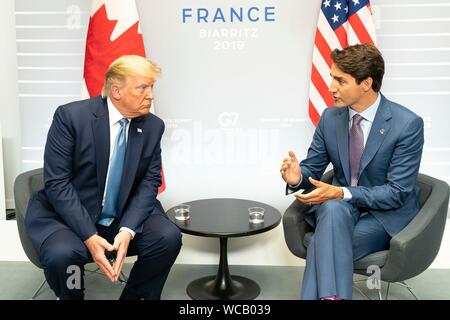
column 256, row 215
column 182, row 212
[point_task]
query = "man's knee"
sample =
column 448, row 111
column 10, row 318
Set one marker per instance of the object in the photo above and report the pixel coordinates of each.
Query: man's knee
column 357, row 250
column 338, row 210
column 171, row 240
column 168, row 242
column 61, row 255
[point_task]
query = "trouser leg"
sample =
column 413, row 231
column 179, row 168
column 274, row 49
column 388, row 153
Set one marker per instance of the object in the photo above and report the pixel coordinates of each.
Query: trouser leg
column 333, row 255
column 309, row 282
column 63, row 256
column 157, row 248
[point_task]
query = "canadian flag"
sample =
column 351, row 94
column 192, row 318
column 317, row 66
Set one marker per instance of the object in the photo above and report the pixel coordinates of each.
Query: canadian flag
column 113, row 31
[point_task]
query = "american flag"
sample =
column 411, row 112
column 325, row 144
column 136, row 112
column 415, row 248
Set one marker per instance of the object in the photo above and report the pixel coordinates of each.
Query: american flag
column 341, row 23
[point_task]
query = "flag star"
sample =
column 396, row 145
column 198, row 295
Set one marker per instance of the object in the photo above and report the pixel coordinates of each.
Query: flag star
column 355, row 2
column 337, row 6
column 346, row 9
column 335, row 18
column 326, row 3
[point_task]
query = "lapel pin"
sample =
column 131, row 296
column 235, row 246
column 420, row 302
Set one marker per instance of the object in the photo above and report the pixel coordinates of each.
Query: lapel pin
column 382, row 131
column 139, row 130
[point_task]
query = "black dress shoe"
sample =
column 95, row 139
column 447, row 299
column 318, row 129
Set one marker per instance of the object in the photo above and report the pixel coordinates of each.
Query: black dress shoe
column 128, row 295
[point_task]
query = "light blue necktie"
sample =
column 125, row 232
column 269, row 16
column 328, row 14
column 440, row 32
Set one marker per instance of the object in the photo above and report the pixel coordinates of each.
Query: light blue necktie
column 109, row 211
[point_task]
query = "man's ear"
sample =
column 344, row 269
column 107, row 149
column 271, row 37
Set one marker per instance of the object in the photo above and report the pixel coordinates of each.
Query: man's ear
column 367, row 84
column 115, row 92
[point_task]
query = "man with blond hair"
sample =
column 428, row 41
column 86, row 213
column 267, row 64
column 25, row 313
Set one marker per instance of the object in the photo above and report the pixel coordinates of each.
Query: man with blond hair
column 102, row 165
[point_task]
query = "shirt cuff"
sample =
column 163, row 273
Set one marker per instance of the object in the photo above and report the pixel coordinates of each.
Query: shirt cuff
column 347, row 194
column 129, row 230
column 293, row 187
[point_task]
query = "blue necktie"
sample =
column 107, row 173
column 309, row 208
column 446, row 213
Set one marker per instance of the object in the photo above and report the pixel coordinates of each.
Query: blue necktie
column 109, row 211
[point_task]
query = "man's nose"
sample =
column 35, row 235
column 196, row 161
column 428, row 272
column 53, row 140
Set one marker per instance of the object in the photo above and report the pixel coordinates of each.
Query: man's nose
column 149, row 94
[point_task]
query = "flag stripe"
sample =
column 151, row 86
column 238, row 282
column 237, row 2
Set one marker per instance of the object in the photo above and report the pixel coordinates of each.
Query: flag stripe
column 321, row 86
column 360, row 29
column 323, row 47
column 351, row 35
column 365, row 14
column 341, row 34
column 321, row 66
column 317, row 99
column 313, row 114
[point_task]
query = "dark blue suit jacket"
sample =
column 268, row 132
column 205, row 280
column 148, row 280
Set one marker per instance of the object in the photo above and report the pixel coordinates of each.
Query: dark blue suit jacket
column 389, row 165
column 75, row 167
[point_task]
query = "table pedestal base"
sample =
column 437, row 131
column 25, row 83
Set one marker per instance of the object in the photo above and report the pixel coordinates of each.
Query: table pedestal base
column 206, row 288
column 223, row 286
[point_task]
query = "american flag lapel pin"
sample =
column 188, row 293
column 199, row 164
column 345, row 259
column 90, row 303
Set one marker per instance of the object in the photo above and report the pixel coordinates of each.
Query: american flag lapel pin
column 139, row 130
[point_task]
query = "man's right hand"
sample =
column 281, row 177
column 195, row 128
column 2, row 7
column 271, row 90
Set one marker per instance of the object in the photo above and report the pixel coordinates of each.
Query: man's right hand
column 290, row 169
column 97, row 246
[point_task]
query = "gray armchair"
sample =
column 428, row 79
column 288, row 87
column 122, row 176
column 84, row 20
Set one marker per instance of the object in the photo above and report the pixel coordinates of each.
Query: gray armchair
column 25, row 184
column 411, row 251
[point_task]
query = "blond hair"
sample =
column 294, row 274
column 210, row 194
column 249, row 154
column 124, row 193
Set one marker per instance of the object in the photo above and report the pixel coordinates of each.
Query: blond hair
column 125, row 66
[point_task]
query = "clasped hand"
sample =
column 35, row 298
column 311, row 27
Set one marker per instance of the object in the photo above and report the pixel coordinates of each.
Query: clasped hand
column 97, row 247
column 322, row 193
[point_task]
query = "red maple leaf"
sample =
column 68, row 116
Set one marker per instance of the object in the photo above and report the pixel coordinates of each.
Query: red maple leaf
column 101, row 51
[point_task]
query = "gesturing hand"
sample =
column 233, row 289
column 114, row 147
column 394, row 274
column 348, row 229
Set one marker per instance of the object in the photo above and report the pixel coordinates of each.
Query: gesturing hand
column 290, row 169
column 97, row 246
column 322, row 193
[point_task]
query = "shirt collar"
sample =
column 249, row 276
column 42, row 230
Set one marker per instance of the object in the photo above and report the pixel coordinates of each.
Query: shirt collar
column 114, row 114
column 369, row 113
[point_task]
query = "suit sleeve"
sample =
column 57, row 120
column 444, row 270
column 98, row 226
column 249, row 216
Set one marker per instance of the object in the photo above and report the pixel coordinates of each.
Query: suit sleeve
column 317, row 159
column 401, row 175
column 143, row 200
column 58, row 159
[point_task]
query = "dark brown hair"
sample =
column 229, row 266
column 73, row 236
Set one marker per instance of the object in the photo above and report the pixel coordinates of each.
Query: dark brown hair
column 361, row 61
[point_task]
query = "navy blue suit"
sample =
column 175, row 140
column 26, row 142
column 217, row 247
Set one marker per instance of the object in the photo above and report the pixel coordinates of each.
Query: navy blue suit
column 75, row 167
column 386, row 190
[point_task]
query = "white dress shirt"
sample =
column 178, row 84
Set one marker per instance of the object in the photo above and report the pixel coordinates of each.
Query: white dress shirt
column 114, row 126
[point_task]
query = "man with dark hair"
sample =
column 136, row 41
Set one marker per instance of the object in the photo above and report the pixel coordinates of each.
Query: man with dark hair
column 375, row 147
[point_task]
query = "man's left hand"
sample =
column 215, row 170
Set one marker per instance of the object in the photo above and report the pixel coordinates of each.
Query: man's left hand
column 121, row 243
column 322, row 193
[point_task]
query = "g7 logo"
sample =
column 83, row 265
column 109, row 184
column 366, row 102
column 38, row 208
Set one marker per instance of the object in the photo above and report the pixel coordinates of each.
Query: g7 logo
column 228, row 119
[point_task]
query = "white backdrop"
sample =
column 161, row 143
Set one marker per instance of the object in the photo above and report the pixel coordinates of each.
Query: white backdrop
column 231, row 99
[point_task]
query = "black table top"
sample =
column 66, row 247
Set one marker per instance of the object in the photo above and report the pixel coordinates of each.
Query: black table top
column 225, row 217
